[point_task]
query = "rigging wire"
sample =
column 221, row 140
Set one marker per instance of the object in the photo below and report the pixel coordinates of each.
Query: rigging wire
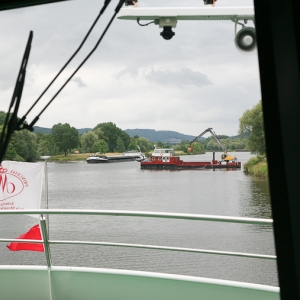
column 12, row 123
column 106, row 3
column 118, row 7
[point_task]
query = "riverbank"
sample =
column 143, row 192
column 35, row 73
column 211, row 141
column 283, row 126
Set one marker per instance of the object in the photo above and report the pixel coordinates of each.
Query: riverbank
column 257, row 166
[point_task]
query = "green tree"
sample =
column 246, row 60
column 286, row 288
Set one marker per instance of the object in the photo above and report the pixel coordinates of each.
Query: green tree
column 2, row 117
column 140, row 142
column 197, row 148
column 100, row 146
column 99, row 133
column 144, row 144
column 11, row 154
column 159, row 144
column 223, row 137
column 22, row 146
column 119, row 145
column 44, row 147
column 65, row 137
column 239, row 144
column 25, row 143
column 183, row 145
column 110, row 133
column 252, row 124
column 132, row 146
column 87, row 141
column 46, row 144
column 133, row 143
column 212, row 145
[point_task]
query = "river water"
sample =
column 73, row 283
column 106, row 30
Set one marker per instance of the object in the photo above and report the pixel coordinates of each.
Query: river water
column 123, row 186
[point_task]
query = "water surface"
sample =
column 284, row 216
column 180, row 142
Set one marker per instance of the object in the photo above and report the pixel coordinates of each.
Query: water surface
column 123, row 186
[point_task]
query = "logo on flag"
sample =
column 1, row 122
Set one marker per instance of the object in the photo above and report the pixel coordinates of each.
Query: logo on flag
column 11, row 184
column 21, row 188
column 20, row 185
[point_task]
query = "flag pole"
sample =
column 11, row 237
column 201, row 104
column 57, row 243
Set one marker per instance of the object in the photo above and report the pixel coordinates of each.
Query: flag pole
column 45, row 158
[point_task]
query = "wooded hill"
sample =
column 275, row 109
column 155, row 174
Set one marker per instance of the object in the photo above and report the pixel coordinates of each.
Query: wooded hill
column 154, row 136
column 37, row 129
column 165, row 136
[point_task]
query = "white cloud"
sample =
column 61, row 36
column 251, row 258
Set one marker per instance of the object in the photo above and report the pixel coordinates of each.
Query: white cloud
column 79, row 82
column 183, row 78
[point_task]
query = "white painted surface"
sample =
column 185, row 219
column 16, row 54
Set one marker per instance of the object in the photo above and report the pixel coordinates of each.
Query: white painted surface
column 188, row 13
column 86, row 283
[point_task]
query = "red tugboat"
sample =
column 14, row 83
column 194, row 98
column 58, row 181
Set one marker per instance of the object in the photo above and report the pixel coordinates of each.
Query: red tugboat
column 165, row 159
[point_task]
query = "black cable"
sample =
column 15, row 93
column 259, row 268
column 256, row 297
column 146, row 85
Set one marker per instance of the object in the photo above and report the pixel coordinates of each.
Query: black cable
column 121, row 2
column 106, row 3
column 138, row 21
column 10, row 123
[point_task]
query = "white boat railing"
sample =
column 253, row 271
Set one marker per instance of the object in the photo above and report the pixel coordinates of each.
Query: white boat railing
column 195, row 217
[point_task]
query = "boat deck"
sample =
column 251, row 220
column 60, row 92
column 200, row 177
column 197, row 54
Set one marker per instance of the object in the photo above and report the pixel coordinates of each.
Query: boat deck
column 189, row 165
column 61, row 282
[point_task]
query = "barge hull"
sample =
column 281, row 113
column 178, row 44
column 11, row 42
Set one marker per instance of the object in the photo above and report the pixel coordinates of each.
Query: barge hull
column 111, row 159
column 97, row 161
column 121, row 158
column 186, row 166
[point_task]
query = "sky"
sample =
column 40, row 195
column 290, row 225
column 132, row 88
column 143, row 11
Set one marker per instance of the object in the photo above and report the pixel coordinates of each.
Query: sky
column 135, row 79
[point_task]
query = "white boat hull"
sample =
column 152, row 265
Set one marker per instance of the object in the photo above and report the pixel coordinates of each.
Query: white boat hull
column 62, row 283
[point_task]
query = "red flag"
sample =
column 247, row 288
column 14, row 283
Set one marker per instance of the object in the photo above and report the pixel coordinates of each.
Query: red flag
column 34, row 233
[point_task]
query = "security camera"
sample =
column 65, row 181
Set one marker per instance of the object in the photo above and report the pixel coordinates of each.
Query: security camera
column 167, row 33
column 130, row 2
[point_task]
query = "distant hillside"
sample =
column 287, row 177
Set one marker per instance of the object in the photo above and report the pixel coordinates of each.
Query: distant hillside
column 165, row 136
column 243, row 136
column 37, row 129
column 84, row 130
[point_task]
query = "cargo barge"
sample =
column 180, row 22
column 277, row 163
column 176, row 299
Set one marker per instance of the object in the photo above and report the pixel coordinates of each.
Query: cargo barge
column 126, row 156
column 164, row 159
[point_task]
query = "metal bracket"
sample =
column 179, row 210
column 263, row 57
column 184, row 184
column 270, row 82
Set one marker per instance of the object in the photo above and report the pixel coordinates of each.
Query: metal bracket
column 167, row 21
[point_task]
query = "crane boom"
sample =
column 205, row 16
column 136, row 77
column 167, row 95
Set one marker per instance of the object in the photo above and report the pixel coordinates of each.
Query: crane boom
column 218, row 141
column 213, row 134
column 224, row 156
column 199, row 136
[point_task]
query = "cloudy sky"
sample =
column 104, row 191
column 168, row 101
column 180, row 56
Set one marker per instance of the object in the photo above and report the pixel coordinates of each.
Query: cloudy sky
column 135, row 79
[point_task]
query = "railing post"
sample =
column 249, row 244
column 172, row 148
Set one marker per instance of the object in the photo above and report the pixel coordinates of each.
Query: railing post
column 45, row 239
column 45, row 158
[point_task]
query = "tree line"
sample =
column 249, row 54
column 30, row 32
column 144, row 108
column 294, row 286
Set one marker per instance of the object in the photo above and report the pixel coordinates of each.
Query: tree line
column 107, row 137
column 252, row 124
column 23, row 145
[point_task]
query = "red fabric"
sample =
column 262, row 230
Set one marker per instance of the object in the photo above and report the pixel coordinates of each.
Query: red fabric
column 34, row 233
